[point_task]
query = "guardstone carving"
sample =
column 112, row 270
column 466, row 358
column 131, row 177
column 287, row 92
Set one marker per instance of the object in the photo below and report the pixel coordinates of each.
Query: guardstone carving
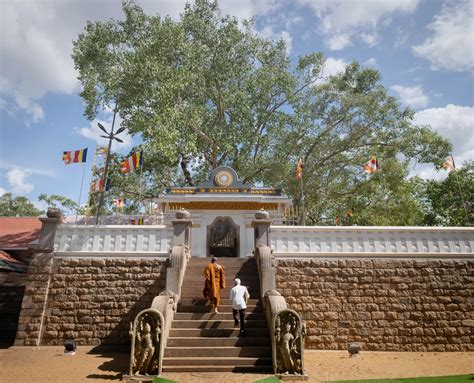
column 289, row 332
column 146, row 333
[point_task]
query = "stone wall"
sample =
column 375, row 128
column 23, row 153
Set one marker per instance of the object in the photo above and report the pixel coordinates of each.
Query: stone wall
column 385, row 305
column 12, row 287
column 94, row 300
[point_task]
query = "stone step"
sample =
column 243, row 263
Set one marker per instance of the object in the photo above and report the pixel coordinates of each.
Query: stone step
column 229, row 266
column 215, row 324
column 222, row 260
column 222, row 308
column 245, row 279
column 218, row 332
column 196, row 291
column 216, row 317
column 224, row 295
column 200, row 286
column 226, row 264
column 218, row 342
column 212, row 352
column 192, row 361
column 211, row 368
column 238, row 272
column 205, row 302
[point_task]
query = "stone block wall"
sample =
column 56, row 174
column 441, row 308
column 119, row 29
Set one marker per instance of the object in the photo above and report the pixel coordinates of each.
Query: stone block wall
column 94, row 300
column 385, row 305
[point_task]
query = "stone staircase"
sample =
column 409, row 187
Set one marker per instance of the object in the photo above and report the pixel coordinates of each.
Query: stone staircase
column 202, row 341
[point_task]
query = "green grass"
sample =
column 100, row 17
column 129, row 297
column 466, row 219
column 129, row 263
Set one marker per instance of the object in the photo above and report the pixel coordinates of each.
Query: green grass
column 434, row 379
column 271, row 379
column 163, row 380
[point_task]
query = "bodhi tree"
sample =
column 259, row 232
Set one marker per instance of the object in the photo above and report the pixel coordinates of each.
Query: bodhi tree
column 449, row 202
column 206, row 90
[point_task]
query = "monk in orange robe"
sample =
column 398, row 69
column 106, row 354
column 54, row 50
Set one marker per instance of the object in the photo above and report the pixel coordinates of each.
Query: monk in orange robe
column 215, row 280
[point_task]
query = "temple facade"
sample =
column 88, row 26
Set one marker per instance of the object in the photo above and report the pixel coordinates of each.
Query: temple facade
column 222, row 209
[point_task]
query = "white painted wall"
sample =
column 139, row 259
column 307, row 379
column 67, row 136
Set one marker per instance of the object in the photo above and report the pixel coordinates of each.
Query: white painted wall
column 285, row 241
column 308, row 241
column 113, row 240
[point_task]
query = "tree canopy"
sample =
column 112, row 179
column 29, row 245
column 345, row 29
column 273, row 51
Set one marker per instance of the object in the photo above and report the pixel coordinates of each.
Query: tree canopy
column 206, row 90
column 449, row 202
column 17, row 207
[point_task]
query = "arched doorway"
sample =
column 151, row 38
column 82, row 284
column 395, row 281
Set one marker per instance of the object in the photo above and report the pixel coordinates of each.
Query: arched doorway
column 223, row 238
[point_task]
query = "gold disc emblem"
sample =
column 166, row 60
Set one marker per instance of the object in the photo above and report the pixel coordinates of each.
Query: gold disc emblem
column 223, row 178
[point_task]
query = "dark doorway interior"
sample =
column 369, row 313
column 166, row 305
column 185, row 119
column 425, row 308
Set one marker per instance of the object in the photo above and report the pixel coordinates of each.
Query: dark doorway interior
column 223, row 238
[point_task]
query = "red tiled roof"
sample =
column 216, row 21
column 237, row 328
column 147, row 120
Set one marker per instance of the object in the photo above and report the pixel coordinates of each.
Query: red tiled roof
column 9, row 263
column 18, row 232
column 4, row 256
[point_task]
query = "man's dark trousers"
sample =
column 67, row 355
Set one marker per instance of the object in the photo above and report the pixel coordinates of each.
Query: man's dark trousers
column 236, row 321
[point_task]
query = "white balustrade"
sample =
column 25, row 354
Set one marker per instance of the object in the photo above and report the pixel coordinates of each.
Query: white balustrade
column 117, row 240
column 343, row 241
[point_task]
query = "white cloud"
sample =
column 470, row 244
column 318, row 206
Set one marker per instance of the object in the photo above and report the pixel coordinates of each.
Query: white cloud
column 333, row 66
column 338, row 41
column 2, row 191
column 40, row 205
column 36, row 45
column 428, row 172
column 454, row 122
column 339, row 19
column 412, row 96
column 451, row 45
column 30, row 107
column 36, row 42
column 372, row 62
column 369, row 38
column 269, row 33
column 17, row 179
column 247, row 8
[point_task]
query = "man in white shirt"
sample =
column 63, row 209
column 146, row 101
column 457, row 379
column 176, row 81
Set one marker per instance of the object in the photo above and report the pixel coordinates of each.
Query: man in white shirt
column 239, row 296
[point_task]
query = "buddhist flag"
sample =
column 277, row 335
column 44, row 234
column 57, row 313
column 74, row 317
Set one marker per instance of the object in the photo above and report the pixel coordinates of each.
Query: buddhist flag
column 372, row 165
column 299, row 169
column 137, row 221
column 132, row 163
column 449, row 164
column 119, row 202
column 73, row 156
column 101, row 150
column 98, row 185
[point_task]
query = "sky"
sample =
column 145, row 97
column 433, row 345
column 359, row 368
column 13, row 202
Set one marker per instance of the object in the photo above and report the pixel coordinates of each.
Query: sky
column 424, row 50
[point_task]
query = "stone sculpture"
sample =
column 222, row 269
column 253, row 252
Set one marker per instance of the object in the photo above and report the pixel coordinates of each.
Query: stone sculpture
column 289, row 334
column 146, row 341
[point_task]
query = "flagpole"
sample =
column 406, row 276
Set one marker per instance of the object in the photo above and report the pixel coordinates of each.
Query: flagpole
column 140, row 182
column 303, row 213
column 101, row 200
column 80, row 191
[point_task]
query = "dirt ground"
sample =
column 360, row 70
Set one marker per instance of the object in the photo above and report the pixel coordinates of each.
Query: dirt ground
column 51, row 365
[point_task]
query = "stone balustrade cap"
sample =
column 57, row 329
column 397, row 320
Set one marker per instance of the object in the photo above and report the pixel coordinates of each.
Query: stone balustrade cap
column 54, row 213
column 262, row 214
column 183, row 214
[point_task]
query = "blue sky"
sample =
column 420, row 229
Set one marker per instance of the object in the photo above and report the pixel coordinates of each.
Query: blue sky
column 424, row 50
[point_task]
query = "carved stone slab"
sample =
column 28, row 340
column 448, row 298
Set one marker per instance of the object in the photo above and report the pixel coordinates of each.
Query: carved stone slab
column 147, row 346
